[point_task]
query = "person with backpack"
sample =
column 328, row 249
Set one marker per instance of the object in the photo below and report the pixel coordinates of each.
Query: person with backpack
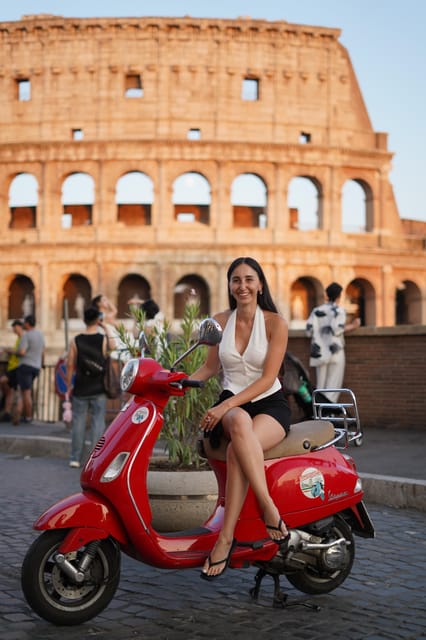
column 86, row 360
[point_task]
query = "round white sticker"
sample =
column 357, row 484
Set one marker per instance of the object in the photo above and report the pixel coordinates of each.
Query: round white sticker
column 312, row 483
column 140, row 415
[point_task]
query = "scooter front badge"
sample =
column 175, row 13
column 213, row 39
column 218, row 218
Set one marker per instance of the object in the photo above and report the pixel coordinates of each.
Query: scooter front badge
column 312, row 483
column 140, row 415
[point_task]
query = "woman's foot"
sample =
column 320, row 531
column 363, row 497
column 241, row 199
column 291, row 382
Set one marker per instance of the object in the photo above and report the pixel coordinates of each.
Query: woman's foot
column 275, row 526
column 218, row 560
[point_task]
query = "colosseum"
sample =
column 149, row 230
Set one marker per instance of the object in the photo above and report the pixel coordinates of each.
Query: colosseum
column 139, row 156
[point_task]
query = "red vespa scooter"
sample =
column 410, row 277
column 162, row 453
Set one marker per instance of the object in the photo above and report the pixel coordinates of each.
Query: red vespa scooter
column 72, row 570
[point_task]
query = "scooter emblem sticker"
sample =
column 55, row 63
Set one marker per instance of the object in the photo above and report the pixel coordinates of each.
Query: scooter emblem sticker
column 140, row 415
column 312, row 483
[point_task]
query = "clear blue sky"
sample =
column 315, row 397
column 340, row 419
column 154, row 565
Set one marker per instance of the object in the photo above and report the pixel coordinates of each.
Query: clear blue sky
column 386, row 41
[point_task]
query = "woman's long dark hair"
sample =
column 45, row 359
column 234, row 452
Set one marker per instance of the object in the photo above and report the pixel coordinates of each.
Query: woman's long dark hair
column 264, row 299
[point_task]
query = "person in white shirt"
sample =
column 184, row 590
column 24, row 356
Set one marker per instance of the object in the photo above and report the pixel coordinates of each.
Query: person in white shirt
column 326, row 327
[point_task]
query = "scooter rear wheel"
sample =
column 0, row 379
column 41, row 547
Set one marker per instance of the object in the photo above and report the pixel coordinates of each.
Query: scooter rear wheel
column 317, row 579
column 53, row 595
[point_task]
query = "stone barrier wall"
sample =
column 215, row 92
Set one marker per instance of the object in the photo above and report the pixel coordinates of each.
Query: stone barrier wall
column 386, row 369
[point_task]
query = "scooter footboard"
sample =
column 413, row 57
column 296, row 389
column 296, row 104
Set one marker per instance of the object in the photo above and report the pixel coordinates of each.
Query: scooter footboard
column 360, row 521
column 87, row 513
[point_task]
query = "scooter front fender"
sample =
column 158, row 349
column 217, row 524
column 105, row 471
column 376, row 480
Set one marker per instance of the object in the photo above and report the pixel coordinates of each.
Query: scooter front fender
column 86, row 510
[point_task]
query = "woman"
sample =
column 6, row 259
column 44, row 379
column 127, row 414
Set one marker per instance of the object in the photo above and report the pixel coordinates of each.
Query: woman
column 252, row 409
column 107, row 308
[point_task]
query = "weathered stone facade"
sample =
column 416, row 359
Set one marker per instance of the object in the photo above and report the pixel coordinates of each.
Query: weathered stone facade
column 164, row 97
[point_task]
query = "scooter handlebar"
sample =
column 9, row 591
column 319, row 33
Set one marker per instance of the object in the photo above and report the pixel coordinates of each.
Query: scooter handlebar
column 197, row 384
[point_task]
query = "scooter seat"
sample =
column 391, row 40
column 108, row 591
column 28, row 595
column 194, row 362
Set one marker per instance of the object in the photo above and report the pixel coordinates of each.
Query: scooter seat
column 303, row 437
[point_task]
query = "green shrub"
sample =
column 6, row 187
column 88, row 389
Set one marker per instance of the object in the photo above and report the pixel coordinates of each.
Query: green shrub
column 182, row 415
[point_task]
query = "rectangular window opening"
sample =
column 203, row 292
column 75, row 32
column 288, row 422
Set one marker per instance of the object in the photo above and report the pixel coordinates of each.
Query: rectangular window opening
column 304, row 137
column 250, row 89
column 24, row 89
column 133, row 87
column 194, row 134
column 77, row 134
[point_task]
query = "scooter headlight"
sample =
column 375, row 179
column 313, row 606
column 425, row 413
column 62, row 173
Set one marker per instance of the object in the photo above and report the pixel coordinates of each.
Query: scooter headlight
column 129, row 373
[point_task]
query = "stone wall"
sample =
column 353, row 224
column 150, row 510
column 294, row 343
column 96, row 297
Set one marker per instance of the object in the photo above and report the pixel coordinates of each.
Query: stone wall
column 386, row 370
column 191, row 72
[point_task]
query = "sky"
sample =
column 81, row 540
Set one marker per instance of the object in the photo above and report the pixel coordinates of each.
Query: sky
column 386, row 43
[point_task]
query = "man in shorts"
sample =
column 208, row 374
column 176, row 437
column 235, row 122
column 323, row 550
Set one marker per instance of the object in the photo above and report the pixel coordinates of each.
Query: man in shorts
column 31, row 353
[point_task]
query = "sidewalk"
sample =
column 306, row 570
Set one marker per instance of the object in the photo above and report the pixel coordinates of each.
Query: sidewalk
column 391, row 462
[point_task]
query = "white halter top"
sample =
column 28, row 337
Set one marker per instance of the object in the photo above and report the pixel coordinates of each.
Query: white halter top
column 240, row 371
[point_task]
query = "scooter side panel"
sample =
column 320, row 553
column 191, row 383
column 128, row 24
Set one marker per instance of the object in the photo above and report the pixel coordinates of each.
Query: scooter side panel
column 321, row 483
column 79, row 510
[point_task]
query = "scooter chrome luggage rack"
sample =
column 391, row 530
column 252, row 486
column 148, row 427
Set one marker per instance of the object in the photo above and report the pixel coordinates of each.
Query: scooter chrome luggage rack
column 343, row 415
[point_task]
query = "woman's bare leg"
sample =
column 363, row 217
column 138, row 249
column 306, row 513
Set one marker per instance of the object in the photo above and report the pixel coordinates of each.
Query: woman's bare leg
column 236, row 491
column 245, row 466
column 249, row 446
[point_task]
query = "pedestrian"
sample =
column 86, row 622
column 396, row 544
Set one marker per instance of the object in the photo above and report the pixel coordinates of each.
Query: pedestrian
column 8, row 381
column 252, row 411
column 150, row 309
column 154, row 318
column 85, row 382
column 31, row 359
column 107, row 308
column 108, row 324
column 326, row 327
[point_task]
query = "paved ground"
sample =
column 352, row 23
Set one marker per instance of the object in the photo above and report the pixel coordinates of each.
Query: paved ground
column 383, row 598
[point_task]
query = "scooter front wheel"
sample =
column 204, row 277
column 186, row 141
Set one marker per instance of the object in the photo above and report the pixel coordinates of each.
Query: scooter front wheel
column 53, row 593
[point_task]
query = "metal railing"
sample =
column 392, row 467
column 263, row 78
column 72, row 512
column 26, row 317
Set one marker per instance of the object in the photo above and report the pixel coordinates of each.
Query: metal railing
column 47, row 405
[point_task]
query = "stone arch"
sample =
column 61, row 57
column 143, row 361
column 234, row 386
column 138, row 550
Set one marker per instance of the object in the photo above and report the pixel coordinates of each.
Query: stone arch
column 360, row 301
column 191, row 198
column 305, row 203
column 23, row 201
column 78, row 198
column 76, row 296
column 191, row 289
column 408, row 307
column 249, row 200
column 134, row 197
column 133, row 289
column 305, row 294
column 357, row 206
column 21, row 298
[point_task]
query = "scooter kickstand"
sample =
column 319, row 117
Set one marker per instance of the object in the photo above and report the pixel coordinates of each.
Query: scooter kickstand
column 280, row 598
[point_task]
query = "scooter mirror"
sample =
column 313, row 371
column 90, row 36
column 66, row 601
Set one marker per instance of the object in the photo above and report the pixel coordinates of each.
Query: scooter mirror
column 210, row 332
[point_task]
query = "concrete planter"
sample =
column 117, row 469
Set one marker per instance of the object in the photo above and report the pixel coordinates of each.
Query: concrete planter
column 181, row 499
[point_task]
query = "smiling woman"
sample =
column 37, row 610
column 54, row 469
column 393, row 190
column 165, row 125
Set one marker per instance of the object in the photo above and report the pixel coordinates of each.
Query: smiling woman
column 252, row 413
